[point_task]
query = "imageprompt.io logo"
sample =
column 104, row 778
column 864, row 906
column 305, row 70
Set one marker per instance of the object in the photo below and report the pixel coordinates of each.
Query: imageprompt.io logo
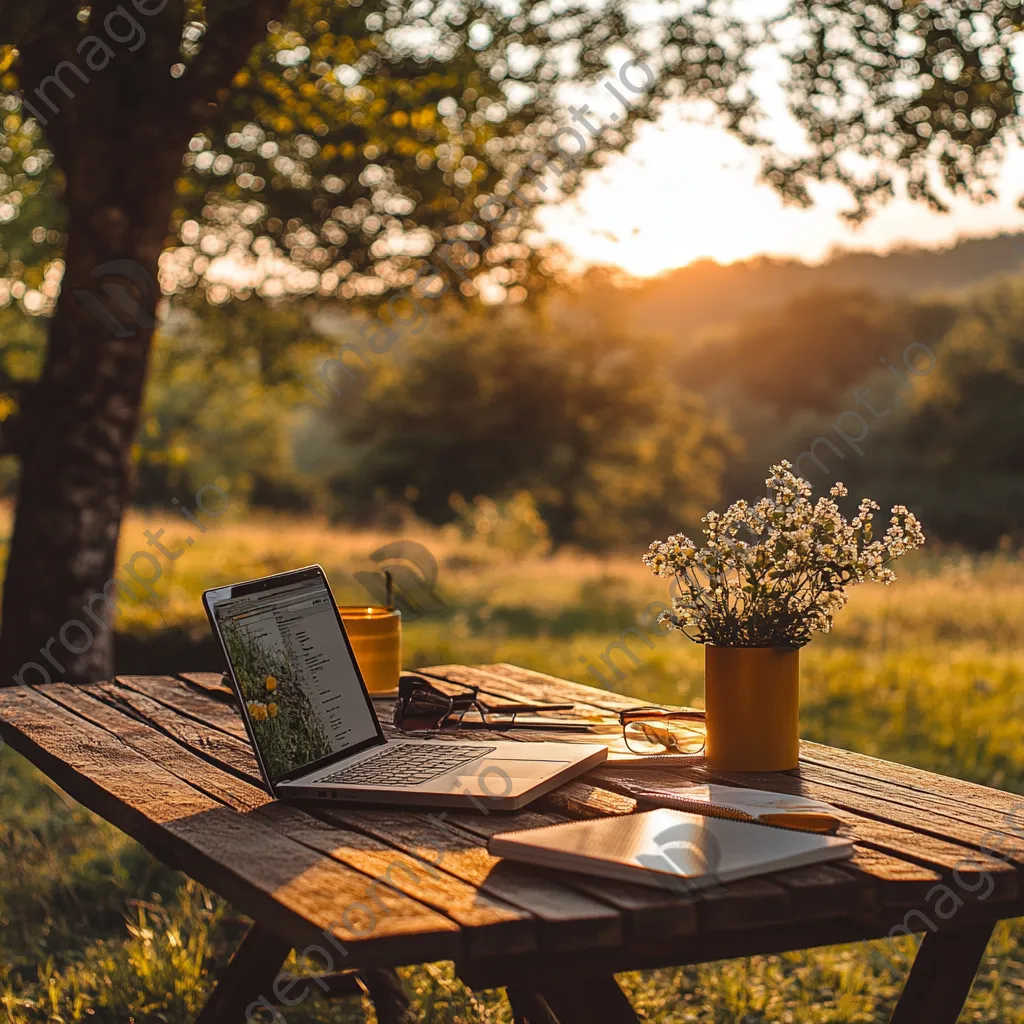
column 122, row 302
column 414, row 574
column 686, row 855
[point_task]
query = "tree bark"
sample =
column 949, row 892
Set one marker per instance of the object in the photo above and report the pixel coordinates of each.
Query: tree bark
column 119, row 136
column 79, row 421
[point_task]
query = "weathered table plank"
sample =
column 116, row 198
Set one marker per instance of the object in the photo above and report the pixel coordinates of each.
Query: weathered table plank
column 210, row 737
column 902, row 883
column 806, row 892
column 881, row 819
column 493, row 925
column 564, row 917
column 302, row 895
column 999, row 827
column 570, row 919
column 939, row 855
column 878, row 801
column 645, row 909
column 966, row 794
column 567, row 918
column 182, row 698
column 168, row 761
column 503, row 679
column 222, row 745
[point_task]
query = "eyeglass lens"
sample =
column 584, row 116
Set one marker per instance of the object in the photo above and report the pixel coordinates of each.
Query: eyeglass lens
column 649, row 736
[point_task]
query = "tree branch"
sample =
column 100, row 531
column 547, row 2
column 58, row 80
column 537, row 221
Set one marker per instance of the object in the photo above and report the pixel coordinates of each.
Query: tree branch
column 229, row 41
column 39, row 53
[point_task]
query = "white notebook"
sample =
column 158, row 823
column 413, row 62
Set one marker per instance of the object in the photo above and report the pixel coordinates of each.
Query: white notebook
column 673, row 849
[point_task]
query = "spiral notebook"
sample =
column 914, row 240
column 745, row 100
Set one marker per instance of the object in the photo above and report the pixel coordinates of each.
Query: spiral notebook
column 780, row 810
column 666, row 848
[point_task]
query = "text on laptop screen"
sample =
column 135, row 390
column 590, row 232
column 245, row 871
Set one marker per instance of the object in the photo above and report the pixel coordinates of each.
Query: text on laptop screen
column 296, row 674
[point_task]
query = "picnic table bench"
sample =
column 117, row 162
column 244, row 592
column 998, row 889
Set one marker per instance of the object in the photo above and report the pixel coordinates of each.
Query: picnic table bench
column 361, row 890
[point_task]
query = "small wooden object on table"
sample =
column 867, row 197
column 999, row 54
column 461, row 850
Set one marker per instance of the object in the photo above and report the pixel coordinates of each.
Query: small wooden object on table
column 364, row 890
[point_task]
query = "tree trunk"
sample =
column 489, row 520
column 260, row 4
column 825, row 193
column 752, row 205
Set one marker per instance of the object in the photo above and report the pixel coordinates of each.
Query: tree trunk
column 79, row 420
column 118, row 136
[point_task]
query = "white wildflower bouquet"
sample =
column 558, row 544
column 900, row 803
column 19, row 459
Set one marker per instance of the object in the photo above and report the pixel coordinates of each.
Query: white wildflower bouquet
column 772, row 573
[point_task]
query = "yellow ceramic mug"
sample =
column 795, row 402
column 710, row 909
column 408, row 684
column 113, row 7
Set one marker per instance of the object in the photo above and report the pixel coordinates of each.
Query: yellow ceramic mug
column 376, row 638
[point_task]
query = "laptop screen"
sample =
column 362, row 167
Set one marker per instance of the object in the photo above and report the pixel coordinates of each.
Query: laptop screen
column 298, row 678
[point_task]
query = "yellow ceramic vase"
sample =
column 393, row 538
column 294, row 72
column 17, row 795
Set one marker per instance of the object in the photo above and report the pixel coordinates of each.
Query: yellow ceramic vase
column 376, row 638
column 752, row 699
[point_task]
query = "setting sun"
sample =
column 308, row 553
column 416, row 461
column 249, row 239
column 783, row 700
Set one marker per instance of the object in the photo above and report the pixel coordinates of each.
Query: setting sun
column 686, row 191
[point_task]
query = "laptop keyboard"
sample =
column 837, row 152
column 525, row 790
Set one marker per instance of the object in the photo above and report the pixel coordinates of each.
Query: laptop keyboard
column 407, row 764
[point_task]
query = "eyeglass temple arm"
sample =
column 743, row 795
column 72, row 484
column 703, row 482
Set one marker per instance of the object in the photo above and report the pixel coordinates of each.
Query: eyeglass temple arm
column 509, row 708
column 657, row 714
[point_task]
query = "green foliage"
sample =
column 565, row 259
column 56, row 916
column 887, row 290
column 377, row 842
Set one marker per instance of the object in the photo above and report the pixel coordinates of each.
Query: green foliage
column 221, row 404
column 930, row 391
column 609, row 447
column 783, row 376
column 812, row 351
column 957, row 449
column 357, row 138
column 30, row 212
column 513, row 525
column 898, row 116
column 22, row 343
column 158, row 973
column 273, row 338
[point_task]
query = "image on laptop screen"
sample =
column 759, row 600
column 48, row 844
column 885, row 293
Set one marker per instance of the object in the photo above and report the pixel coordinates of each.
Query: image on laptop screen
column 297, row 676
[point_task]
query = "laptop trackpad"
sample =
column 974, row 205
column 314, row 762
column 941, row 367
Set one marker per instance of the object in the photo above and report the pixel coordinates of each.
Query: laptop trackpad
column 491, row 768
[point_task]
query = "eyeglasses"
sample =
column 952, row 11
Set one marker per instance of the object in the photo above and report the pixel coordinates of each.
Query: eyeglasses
column 659, row 731
column 422, row 705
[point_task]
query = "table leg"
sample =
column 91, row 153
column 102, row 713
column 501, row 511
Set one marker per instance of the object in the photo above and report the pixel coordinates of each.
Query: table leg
column 388, row 997
column 941, row 977
column 578, row 1000
column 248, row 978
column 528, row 1007
column 247, row 985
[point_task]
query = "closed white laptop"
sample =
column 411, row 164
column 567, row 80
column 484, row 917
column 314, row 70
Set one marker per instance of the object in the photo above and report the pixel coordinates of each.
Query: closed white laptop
column 673, row 849
column 312, row 722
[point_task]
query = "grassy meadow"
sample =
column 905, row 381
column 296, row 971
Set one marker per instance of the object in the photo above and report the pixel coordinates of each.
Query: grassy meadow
column 929, row 672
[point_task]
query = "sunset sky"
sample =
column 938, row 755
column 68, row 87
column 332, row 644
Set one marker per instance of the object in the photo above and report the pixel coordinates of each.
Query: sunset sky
column 686, row 191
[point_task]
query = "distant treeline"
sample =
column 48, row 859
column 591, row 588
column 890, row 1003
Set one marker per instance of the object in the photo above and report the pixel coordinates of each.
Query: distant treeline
column 569, row 423
column 706, row 294
column 910, row 401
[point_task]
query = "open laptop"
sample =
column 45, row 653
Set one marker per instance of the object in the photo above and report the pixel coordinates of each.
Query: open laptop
column 313, row 726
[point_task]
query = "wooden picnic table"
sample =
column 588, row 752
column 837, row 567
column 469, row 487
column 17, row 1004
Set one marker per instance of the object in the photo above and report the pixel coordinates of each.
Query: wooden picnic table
column 360, row 890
